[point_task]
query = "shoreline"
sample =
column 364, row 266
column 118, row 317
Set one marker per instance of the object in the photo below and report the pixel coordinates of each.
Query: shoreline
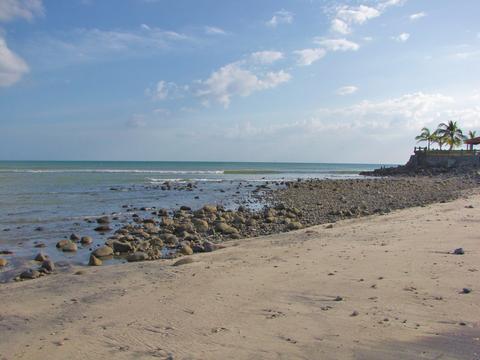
column 399, row 292
column 152, row 233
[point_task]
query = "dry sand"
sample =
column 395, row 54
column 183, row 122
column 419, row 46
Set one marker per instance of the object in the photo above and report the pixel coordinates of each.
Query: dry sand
column 271, row 297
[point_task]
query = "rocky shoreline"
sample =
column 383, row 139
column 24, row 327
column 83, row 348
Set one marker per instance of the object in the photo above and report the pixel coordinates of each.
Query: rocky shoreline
column 152, row 234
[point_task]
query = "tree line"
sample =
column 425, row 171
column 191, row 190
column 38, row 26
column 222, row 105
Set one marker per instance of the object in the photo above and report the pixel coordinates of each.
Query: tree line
column 448, row 134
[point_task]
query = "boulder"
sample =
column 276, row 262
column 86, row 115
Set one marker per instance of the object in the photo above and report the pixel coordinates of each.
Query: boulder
column 29, row 274
column 137, row 256
column 122, row 247
column 224, row 228
column 48, row 265
column 103, row 228
column 103, row 251
column 94, row 261
column 295, row 225
column 74, row 237
column 70, row 247
column 186, row 250
column 41, row 257
column 103, row 220
column 86, row 240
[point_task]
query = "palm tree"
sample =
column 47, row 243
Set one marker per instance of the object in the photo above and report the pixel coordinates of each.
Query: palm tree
column 440, row 140
column 452, row 134
column 426, row 135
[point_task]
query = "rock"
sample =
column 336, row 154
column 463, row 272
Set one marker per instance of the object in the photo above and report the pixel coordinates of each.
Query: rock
column 200, row 225
column 137, row 256
column 74, row 237
column 338, row 298
column 170, row 239
column 466, row 291
column 103, row 220
column 185, row 208
column 103, row 228
column 198, row 248
column 329, row 226
column 3, row 262
column 122, row 247
column 458, row 251
column 183, row 261
column 94, row 261
column 209, row 246
column 295, row 225
column 62, row 243
column 39, row 228
column 86, row 240
column 186, row 250
column 354, row 313
column 29, row 274
column 48, row 265
column 210, row 208
column 224, row 228
column 40, row 245
column 41, row 257
column 103, row 251
column 70, row 247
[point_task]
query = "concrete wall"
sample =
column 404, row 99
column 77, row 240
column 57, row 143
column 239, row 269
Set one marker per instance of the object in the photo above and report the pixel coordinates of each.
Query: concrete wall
column 444, row 159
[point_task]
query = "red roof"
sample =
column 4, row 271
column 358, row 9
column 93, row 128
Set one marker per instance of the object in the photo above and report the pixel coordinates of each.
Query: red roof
column 474, row 141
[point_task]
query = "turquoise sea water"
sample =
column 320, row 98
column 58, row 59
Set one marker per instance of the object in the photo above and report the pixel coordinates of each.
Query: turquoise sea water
column 59, row 196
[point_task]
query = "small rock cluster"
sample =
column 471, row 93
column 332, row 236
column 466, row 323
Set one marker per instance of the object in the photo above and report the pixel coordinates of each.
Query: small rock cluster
column 184, row 232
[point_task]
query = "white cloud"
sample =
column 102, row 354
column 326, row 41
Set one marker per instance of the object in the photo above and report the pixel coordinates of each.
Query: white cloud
column 12, row 67
column 403, row 37
column 84, row 45
column 340, row 26
column 266, row 57
column 417, row 16
column 307, row 57
column 337, row 44
column 234, row 80
column 163, row 90
column 280, row 17
column 212, row 30
column 347, row 90
column 345, row 16
column 24, row 9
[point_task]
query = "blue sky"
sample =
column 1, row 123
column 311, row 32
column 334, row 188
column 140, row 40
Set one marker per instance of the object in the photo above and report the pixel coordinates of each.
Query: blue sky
column 270, row 80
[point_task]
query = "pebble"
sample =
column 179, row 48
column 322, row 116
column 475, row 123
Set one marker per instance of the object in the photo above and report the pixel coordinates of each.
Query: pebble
column 103, row 251
column 459, row 251
column 86, row 240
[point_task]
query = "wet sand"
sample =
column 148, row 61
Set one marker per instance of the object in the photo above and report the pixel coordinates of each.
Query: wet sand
column 375, row 287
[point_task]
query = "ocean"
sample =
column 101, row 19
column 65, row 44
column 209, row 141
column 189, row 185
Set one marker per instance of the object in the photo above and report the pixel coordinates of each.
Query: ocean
column 57, row 197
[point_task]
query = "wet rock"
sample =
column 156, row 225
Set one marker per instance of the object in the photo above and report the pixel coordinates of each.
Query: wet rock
column 41, row 257
column 62, row 243
column 103, row 228
column 74, row 237
column 103, row 220
column 48, row 265
column 122, row 247
column 137, row 256
column 3, row 262
column 185, row 208
column 184, row 261
column 103, row 251
column 70, row 247
column 29, row 274
column 94, row 261
column 86, row 240
column 198, row 248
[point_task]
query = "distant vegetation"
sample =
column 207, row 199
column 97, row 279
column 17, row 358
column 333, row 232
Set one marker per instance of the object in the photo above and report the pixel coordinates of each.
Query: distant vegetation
column 448, row 134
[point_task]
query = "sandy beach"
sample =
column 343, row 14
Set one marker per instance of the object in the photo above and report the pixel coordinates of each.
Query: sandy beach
column 377, row 287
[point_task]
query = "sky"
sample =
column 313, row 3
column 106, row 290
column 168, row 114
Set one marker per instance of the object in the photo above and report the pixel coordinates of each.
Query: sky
column 227, row 80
